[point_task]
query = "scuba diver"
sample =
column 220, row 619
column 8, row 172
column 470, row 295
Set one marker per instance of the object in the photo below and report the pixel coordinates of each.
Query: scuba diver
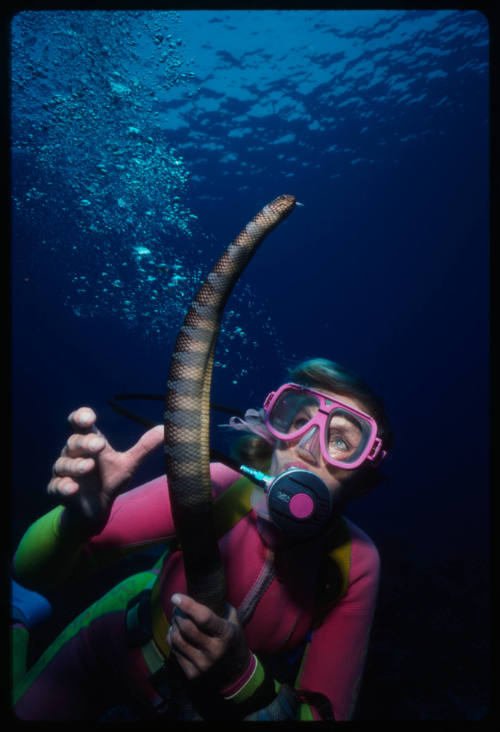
column 301, row 578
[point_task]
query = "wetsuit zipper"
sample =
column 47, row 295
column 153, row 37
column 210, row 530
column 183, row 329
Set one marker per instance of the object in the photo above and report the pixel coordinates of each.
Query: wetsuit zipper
column 253, row 596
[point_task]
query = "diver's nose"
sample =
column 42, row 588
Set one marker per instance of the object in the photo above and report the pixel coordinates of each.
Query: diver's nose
column 308, row 447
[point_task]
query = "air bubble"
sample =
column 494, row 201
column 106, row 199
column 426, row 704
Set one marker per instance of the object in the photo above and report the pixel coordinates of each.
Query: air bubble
column 141, row 251
column 136, row 229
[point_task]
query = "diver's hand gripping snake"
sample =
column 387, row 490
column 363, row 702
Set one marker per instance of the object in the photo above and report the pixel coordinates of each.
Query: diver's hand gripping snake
column 187, row 411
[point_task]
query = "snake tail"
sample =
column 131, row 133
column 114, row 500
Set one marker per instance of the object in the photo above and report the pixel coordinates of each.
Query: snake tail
column 187, row 411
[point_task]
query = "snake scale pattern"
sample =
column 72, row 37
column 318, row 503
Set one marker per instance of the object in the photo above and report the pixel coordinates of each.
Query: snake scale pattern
column 187, row 411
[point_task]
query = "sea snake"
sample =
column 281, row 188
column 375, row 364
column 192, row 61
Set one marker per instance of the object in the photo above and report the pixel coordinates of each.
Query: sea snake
column 187, row 411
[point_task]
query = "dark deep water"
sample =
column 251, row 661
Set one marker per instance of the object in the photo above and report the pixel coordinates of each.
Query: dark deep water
column 136, row 157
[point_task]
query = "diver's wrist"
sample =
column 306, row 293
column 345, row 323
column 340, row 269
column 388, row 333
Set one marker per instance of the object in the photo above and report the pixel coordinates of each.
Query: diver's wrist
column 72, row 524
column 247, row 684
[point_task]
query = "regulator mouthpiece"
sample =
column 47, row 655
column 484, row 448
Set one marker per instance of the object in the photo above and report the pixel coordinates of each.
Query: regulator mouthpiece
column 298, row 501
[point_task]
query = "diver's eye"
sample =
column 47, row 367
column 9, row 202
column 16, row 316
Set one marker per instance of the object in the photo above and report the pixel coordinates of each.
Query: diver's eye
column 338, row 443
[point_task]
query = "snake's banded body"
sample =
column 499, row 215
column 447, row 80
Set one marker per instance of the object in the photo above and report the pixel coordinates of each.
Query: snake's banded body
column 187, row 411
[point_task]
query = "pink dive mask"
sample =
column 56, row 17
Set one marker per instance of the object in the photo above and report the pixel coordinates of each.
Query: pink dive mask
column 346, row 436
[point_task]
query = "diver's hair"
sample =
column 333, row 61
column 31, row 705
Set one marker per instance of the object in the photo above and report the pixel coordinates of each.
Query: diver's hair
column 322, row 374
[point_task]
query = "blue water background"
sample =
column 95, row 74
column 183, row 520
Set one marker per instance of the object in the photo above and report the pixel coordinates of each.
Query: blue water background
column 378, row 122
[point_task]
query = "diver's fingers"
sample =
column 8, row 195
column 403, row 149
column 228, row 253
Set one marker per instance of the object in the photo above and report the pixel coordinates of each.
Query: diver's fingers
column 66, row 467
column 78, row 445
column 189, row 658
column 203, row 618
column 149, row 441
column 82, row 419
column 189, row 632
column 190, row 669
column 62, row 486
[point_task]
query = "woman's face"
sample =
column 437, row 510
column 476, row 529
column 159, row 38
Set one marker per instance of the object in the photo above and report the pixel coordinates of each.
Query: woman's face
column 291, row 454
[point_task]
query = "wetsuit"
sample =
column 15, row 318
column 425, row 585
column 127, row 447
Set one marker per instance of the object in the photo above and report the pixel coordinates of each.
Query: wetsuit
column 90, row 667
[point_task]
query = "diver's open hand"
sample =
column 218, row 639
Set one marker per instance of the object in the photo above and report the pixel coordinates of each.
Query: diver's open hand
column 89, row 473
column 207, row 645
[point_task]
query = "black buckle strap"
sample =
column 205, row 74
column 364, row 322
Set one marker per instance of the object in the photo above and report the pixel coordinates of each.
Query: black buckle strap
column 138, row 615
column 139, row 632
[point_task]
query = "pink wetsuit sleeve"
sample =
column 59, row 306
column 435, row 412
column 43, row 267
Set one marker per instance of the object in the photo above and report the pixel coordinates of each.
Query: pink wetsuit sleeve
column 335, row 658
column 143, row 515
